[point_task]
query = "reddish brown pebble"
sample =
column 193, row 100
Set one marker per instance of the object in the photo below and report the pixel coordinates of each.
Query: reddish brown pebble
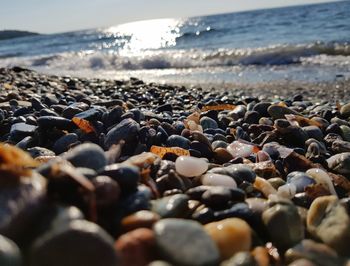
column 140, row 219
column 136, row 247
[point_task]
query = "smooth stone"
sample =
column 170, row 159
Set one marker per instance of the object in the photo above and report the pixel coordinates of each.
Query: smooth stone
column 287, row 191
column 185, row 243
column 71, row 241
column 340, row 163
column 54, row 121
column 69, row 112
column 10, row 255
column 217, row 197
column 159, row 263
column 221, row 156
column 318, row 253
column 283, row 223
column 279, row 112
column 205, row 150
column 339, row 146
column 321, row 177
column 242, row 258
column 175, row 206
column 261, row 108
column 212, row 179
column 276, row 182
column 241, row 172
column 190, row 166
column 107, row 192
column 40, row 151
column 126, row 130
column 345, row 132
column 231, row 236
column 345, row 110
column 87, row 155
column 314, row 132
column 239, row 210
column 21, row 130
column 207, row 122
column 136, row 247
column 62, row 144
column 92, row 114
column 239, row 149
column 300, row 180
column 264, row 187
column 257, row 205
column 252, row 117
column 167, row 107
column 340, row 122
column 178, row 141
column 328, row 220
column 219, row 137
column 140, row 219
column 127, row 177
column 219, row 144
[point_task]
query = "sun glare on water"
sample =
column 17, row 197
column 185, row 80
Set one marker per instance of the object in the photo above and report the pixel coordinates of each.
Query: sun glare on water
column 148, row 34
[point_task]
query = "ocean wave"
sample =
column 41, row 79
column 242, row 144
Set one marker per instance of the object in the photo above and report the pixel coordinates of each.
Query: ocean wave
column 317, row 53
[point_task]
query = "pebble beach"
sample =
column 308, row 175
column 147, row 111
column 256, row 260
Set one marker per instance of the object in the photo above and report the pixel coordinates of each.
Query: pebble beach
column 123, row 172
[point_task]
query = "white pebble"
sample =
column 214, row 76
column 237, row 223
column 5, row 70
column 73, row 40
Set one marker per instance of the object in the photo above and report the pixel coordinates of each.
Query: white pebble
column 211, row 179
column 190, row 166
column 239, row 149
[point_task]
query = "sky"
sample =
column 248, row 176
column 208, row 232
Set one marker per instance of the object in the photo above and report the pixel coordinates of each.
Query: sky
column 51, row 16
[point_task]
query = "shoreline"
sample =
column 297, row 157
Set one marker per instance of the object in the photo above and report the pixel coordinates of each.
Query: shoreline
column 279, row 89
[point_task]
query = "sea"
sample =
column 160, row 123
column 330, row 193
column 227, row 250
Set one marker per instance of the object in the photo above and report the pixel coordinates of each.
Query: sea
column 309, row 43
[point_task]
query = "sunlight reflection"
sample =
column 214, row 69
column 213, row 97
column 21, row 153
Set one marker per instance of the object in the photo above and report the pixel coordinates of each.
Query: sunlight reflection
column 149, row 34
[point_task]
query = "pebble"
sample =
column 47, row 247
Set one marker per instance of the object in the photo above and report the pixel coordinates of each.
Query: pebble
column 190, row 166
column 175, row 206
column 80, row 236
column 212, row 179
column 329, row 221
column 184, row 242
column 283, row 223
column 126, row 130
column 10, row 255
column 340, row 163
column 345, row 110
column 63, row 143
column 136, row 248
column 87, row 155
column 140, row 219
column 231, row 236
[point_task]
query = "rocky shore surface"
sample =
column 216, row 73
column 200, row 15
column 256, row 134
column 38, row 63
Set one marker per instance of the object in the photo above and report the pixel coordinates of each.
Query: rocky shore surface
column 105, row 172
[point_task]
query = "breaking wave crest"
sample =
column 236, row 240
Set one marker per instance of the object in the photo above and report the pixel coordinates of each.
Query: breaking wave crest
column 316, row 53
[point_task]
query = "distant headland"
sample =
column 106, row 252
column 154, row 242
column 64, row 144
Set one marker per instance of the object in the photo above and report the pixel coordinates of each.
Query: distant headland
column 10, row 34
